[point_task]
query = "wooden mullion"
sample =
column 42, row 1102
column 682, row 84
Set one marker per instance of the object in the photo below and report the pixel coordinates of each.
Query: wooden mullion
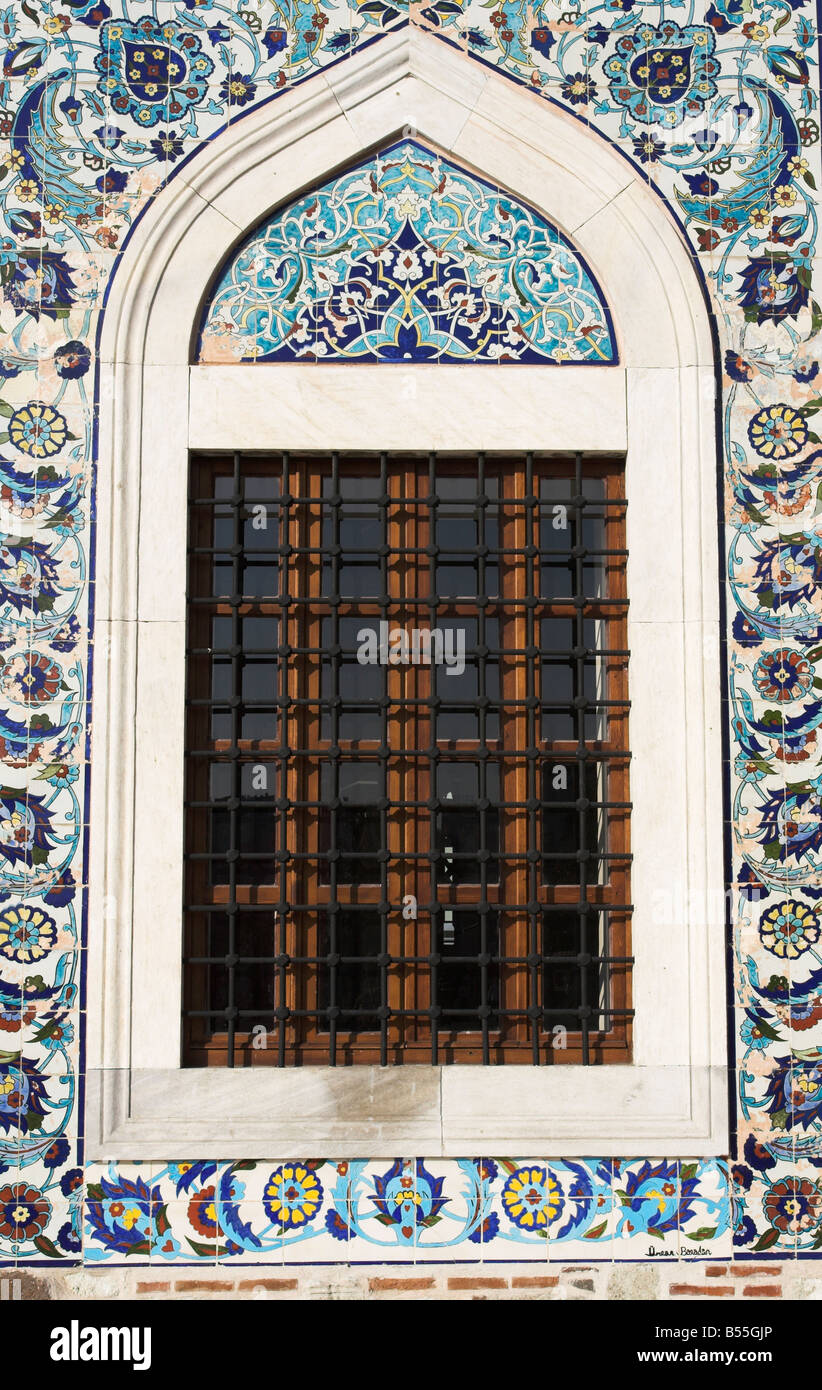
column 304, row 683
column 616, row 774
column 409, row 531
column 514, row 886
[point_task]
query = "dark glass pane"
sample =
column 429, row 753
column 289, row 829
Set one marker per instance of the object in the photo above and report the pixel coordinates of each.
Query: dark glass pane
column 221, row 627
column 221, row 690
column 561, row 527
column 358, row 837
column 255, row 825
column 262, row 487
column 564, row 828
column 361, row 533
column 255, row 829
column 459, row 677
column 261, row 529
column 220, row 775
column 556, row 538
column 359, row 684
column 222, row 536
column 459, row 975
column 594, row 564
column 222, row 583
column 260, row 581
column 559, row 679
column 222, row 567
column 562, row 980
column 260, row 634
column 457, row 532
column 458, row 842
column 258, row 780
column 353, row 984
column 359, row 578
column 254, row 980
column 221, row 679
column 259, row 687
column 459, row 824
column 220, row 726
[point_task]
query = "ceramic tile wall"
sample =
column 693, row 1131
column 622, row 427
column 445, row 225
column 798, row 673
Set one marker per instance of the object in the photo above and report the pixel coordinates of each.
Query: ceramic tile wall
column 717, row 105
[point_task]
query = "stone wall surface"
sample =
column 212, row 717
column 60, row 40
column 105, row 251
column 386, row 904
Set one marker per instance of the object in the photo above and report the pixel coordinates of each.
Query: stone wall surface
column 731, row 1283
column 101, row 103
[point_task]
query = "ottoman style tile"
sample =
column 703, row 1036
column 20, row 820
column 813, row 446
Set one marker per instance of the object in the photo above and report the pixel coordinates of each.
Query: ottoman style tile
column 402, row 259
column 393, row 259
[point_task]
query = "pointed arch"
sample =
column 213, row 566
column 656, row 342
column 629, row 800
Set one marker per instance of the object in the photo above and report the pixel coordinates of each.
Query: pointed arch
column 656, row 406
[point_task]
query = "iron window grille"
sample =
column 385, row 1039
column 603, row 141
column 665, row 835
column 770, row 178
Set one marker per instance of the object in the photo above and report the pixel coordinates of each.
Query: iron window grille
column 396, row 853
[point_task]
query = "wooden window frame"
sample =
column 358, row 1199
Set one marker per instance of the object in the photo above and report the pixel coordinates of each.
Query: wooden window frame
column 408, row 575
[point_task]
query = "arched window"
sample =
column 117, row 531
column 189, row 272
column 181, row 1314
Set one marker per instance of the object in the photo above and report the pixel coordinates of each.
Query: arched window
column 419, row 484
column 407, row 755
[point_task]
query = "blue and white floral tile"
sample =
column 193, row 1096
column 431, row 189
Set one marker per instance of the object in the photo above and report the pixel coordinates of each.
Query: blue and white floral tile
column 124, row 1217
column 639, row 1236
column 792, row 1097
column 524, row 1199
column 586, row 1234
column 301, row 1217
column 780, row 991
column 389, row 1204
column 706, row 1232
column 757, row 1042
column 455, row 1195
column 648, row 1205
column 176, row 1241
column 36, row 1105
column 705, row 1210
column 184, row 1211
column 36, row 1227
column 774, row 1211
column 260, row 1207
column 50, row 1026
column 583, row 1224
column 48, row 1158
column 435, row 303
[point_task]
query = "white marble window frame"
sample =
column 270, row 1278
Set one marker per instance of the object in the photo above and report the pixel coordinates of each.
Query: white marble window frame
column 657, row 407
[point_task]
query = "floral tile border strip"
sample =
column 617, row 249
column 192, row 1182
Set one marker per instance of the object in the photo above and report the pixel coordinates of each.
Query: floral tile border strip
column 411, row 1209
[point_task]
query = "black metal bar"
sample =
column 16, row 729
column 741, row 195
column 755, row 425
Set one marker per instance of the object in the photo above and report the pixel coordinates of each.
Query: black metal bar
column 532, row 753
column 436, row 916
column 480, row 506
column 333, row 905
column 385, row 905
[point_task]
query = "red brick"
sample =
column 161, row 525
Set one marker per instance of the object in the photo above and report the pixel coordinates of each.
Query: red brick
column 715, row 1271
column 762, row 1291
column 534, row 1281
column 203, row 1286
column 153, row 1288
column 701, row 1290
column 399, row 1285
column 478, row 1283
column 274, row 1285
column 747, row 1271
